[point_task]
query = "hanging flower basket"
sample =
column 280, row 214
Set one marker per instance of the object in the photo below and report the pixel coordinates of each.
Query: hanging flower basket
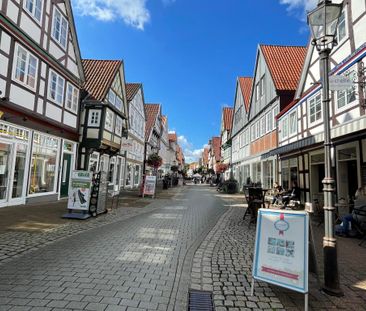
column 154, row 160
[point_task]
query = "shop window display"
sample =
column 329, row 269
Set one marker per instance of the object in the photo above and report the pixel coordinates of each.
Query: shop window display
column 44, row 162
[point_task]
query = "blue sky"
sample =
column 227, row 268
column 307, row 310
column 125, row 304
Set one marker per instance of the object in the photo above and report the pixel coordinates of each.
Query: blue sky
column 188, row 53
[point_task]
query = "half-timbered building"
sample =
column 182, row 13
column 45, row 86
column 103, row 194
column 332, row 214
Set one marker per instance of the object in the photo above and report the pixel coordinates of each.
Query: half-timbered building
column 276, row 76
column 104, row 119
column 152, row 131
column 40, row 78
column 301, row 124
column 134, row 145
column 225, row 132
column 239, row 138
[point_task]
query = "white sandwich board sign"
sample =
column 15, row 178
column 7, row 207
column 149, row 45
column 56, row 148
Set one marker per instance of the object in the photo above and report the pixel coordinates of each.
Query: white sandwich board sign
column 281, row 252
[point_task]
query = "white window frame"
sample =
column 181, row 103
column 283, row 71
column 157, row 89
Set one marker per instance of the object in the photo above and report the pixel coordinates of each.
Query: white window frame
column 347, row 93
column 27, row 67
column 62, row 19
column 106, row 125
column 292, row 127
column 98, row 113
column 74, row 100
column 342, row 22
column 58, row 79
column 275, row 111
column 263, row 125
column 32, row 13
column 284, row 128
column 118, row 127
column 314, row 98
column 269, row 121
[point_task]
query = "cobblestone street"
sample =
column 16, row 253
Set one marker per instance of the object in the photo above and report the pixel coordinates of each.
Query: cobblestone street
column 148, row 258
column 119, row 263
column 223, row 264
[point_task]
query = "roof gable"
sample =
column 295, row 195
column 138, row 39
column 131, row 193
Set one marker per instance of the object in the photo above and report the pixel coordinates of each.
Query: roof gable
column 246, row 84
column 99, row 76
column 131, row 90
column 152, row 112
column 227, row 118
column 285, row 64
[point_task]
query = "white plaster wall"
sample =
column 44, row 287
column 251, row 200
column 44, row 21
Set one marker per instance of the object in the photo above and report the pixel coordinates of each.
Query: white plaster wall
column 41, row 87
column 342, row 52
column 30, row 27
column 2, row 85
column 360, row 32
column 4, row 65
column 71, row 65
column 358, row 7
column 40, row 106
column 55, row 50
column 12, row 11
column 350, row 115
column 21, row 97
column 5, row 42
column 71, row 51
column 92, row 133
column 43, row 70
column 70, row 119
column 53, row 112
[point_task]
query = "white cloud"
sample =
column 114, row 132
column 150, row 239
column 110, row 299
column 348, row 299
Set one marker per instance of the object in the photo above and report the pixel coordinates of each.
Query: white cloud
column 133, row 12
column 190, row 154
column 300, row 7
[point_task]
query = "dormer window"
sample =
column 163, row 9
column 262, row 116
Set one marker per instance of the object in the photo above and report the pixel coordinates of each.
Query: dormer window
column 60, row 28
column 34, row 8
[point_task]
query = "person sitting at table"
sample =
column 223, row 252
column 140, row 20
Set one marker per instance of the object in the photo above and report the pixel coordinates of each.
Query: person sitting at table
column 294, row 194
column 277, row 192
column 358, row 214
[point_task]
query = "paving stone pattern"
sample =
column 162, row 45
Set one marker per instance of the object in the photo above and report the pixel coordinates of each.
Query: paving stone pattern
column 129, row 264
column 223, row 265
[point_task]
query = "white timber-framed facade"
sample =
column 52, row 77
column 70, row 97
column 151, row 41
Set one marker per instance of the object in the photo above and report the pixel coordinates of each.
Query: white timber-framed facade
column 301, row 125
column 134, row 145
column 40, row 79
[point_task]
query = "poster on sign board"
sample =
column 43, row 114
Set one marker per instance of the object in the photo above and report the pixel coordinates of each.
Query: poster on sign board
column 149, row 187
column 281, row 249
column 79, row 190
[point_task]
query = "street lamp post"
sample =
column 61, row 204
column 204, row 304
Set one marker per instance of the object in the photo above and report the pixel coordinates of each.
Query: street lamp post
column 323, row 21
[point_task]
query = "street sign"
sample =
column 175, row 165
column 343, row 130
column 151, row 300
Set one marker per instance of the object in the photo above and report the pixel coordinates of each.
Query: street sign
column 340, row 83
column 281, row 249
column 150, row 184
column 79, row 191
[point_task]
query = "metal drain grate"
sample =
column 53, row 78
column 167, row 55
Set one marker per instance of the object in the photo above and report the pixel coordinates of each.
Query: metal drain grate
column 200, row 301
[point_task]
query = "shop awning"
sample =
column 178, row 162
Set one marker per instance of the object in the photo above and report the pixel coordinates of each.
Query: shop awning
column 300, row 144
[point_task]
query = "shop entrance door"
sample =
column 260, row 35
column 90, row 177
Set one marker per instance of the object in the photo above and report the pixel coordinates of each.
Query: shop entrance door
column 5, row 165
column 65, row 177
column 13, row 173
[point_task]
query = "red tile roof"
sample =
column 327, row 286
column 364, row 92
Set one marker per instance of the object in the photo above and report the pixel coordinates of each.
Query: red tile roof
column 285, row 65
column 151, row 112
column 227, row 114
column 216, row 147
column 246, row 84
column 99, row 75
column 131, row 90
column 172, row 136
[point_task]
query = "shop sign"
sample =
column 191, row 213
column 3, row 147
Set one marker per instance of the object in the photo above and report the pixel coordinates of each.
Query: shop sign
column 340, row 83
column 281, row 249
column 127, row 145
column 79, row 191
column 149, row 186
